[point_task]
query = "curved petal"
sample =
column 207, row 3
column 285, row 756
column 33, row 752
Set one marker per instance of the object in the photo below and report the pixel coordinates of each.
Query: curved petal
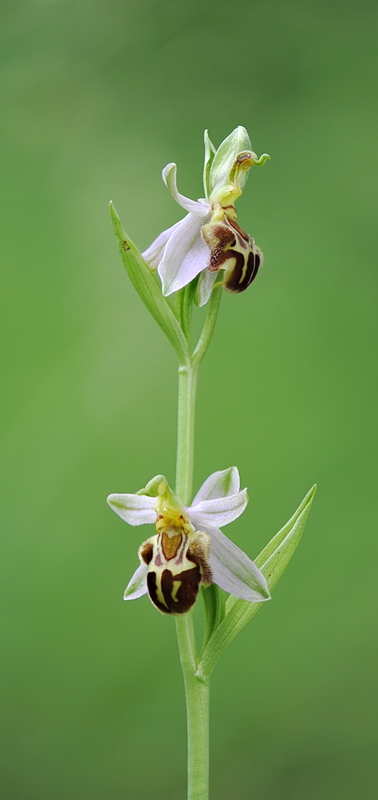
column 205, row 287
column 220, row 511
column 195, row 206
column 136, row 509
column 155, row 251
column 234, row 571
column 185, row 255
column 219, row 484
column 138, row 584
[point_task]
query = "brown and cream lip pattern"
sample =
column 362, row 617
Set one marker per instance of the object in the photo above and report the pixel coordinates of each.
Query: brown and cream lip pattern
column 177, row 560
column 234, row 251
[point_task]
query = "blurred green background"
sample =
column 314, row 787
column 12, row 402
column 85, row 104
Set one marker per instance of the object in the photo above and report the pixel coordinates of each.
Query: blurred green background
column 96, row 98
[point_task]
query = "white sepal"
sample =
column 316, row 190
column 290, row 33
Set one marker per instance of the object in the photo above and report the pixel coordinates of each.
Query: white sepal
column 219, row 511
column 138, row 584
column 136, row 509
column 204, row 287
column 220, row 484
column 185, row 255
column 234, row 571
column 155, row 251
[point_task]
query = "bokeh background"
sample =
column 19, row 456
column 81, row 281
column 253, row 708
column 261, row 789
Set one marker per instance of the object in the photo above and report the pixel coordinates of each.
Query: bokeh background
column 97, row 96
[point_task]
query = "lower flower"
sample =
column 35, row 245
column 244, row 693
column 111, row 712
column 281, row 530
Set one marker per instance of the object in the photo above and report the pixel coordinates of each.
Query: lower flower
column 188, row 548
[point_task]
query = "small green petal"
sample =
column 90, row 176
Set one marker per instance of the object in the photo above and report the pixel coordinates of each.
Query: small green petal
column 210, row 151
column 258, row 162
column 153, row 486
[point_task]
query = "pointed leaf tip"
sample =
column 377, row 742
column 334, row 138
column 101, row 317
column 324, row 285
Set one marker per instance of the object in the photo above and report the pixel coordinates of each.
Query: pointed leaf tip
column 113, row 212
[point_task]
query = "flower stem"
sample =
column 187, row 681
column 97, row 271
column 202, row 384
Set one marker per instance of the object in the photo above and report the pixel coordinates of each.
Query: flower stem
column 196, row 690
column 208, row 328
column 187, row 390
column 197, row 710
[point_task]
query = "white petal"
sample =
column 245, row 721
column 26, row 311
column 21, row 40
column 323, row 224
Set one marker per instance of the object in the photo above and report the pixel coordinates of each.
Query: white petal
column 155, row 251
column 219, row 484
column 185, row 255
column 196, row 260
column 138, row 584
column 220, row 511
column 136, row 509
column 195, row 206
column 205, row 287
column 234, row 571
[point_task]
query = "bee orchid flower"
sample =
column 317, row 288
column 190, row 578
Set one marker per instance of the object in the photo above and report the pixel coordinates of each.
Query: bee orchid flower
column 208, row 238
column 188, row 548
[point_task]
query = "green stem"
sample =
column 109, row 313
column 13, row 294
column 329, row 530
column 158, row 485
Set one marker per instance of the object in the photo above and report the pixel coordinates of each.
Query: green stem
column 208, row 328
column 196, row 690
column 197, row 695
column 187, row 390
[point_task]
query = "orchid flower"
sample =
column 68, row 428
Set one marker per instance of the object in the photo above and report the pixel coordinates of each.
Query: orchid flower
column 188, row 548
column 209, row 239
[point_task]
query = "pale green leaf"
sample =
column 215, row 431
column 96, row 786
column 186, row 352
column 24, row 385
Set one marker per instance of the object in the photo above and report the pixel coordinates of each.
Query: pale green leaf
column 148, row 289
column 214, row 600
column 272, row 561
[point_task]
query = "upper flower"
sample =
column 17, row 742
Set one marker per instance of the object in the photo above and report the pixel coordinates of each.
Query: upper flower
column 188, row 548
column 208, row 238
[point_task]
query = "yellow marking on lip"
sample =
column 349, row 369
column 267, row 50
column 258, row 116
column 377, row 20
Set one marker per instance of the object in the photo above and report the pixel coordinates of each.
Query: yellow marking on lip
column 170, row 544
column 159, row 591
column 176, row 587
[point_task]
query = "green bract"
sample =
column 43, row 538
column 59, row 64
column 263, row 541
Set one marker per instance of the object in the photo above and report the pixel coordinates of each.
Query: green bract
column 272, row 561
column 148, row 289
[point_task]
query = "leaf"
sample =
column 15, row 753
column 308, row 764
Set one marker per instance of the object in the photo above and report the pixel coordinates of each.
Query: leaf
column 272, row 561
column 215, row 606
column 148, row 289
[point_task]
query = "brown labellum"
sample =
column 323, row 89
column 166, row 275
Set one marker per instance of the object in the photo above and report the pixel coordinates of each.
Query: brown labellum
column 174, row 592
column 177, row 565
column 232, row 250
